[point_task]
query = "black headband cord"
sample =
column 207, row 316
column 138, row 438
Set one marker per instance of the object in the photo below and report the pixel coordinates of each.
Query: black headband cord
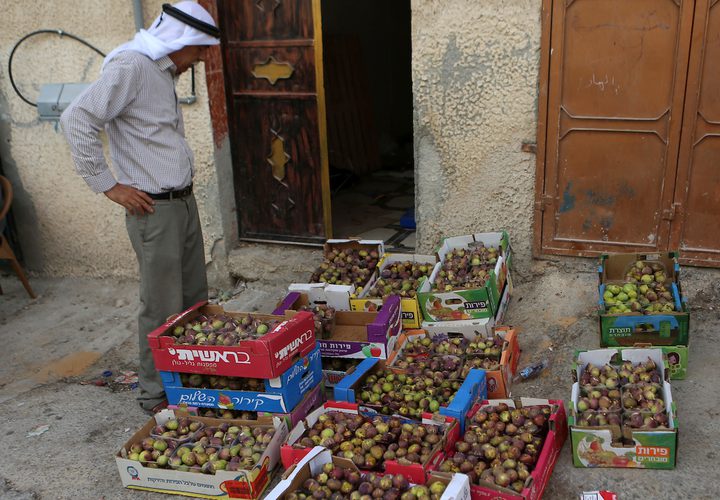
column 196, row 23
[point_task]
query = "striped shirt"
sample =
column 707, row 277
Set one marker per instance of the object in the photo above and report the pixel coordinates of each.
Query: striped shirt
column 134, row 100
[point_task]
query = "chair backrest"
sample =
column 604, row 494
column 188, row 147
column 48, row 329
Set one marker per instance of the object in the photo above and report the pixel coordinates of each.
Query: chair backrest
column 7, row 196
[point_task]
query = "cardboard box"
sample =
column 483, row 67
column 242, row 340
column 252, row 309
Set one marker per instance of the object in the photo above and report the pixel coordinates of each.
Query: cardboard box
column 314, row 398
column 361, row 335
column 628, row 329
column 498, row 381
column 472, row 328
column 282, row 394
column 338, row 296
column 416, row 473
column 458, row 485
column 540, row 475
column 268, row 356
column 411, row 314
column 248, row 484
column 601, row 446
column 470, row 303
column 473, row 388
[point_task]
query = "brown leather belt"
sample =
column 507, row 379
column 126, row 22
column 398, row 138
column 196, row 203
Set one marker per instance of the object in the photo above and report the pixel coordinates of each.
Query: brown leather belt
column 172, row 195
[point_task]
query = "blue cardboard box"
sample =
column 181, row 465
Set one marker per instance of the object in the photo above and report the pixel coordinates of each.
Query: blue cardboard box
column 473, row 389
column 281, row 395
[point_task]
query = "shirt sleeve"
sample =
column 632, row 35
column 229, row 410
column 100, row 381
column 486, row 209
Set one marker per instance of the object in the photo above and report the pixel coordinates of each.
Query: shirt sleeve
column 87, row 115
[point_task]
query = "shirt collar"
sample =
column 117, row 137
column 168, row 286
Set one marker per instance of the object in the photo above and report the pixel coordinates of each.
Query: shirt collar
column 165, row 63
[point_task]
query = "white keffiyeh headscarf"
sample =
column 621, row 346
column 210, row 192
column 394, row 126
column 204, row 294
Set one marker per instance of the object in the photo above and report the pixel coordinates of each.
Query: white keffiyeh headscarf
column 167, row 34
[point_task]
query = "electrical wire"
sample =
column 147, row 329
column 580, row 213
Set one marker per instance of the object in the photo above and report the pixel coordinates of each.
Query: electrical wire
column 59, row 32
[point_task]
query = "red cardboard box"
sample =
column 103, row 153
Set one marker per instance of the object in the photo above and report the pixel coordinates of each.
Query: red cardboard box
column 268, row 356
column 536, row 483
column 457, row 485
column 416, row 473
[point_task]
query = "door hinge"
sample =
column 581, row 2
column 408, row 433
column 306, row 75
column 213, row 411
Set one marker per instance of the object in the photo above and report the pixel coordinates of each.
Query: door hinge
column 669, row 213
column 544, row 201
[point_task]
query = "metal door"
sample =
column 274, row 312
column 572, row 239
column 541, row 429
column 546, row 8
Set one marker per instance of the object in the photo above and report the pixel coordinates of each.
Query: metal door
column 697, row 194
column 272, row 55
column 614, row 88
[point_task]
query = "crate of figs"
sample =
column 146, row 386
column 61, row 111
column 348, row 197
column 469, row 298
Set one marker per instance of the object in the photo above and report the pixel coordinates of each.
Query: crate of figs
column 321, row 475
column 188, row 455
column 439, row 387
column 641, row 301
column 206, row 339
column 497, row 354
column 373, row 443
column 353, row 334
column 622, row 413
column 273, row 395
column 347, row 269
column 509, row 448
column 398, row 275
column 468, row 281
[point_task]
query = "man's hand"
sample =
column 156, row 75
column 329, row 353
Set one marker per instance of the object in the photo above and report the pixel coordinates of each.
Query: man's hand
column 136, row 202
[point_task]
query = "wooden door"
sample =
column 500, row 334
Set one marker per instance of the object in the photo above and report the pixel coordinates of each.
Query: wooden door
column 272, row 55
column 614, row 89
column 697, row 194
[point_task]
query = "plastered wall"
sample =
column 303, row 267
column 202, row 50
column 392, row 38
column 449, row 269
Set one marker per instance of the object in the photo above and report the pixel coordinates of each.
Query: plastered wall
column 64, row 228
column 475, row 75
column 474, row 69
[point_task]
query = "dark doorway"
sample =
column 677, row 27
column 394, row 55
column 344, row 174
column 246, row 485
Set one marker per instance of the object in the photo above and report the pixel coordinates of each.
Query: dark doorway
column 368, row 89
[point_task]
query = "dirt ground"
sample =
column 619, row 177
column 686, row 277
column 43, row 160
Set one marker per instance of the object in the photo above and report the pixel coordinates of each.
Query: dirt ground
column 56, row 346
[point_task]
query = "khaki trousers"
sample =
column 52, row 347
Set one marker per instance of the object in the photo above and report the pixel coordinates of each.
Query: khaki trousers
column 170, row 253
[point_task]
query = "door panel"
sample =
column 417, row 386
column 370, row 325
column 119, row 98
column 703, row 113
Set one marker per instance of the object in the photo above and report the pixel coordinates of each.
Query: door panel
column 615, row 97
column 284, row 197
column 272, row 52
column 610, row 203
column 266, row 19
column 272, row 69
column 698, row 191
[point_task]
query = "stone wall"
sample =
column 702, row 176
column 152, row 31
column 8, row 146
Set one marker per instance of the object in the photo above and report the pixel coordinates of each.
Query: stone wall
column 475, row 77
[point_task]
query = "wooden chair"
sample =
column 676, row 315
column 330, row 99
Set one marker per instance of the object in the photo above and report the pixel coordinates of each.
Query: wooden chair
column 6, row 252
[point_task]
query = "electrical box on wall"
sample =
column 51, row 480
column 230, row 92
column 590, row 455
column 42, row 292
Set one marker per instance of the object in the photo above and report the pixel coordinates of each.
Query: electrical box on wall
column 55, row 97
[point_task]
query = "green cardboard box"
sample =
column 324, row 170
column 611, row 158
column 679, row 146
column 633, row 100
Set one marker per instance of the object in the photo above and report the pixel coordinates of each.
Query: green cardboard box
column 611, row 445
column 469, row 303
column 630, row 329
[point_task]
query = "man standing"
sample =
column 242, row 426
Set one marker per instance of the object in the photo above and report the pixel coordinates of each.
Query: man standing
column 134, row 100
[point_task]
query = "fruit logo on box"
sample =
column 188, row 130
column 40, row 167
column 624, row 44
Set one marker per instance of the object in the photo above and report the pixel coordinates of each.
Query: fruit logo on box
column 297, row 368
column 294, row 345
column 372, row 351
column 189, row 356
column 592, row 452
column 134, row 474
column 225, row 402
column 442, row 312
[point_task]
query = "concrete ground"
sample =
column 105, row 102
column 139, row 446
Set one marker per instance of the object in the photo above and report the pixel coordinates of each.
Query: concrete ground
column 78, row 328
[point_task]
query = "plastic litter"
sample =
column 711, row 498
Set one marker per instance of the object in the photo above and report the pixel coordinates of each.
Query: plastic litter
column 531, row 371
column 40, row 429
column 127, row 378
